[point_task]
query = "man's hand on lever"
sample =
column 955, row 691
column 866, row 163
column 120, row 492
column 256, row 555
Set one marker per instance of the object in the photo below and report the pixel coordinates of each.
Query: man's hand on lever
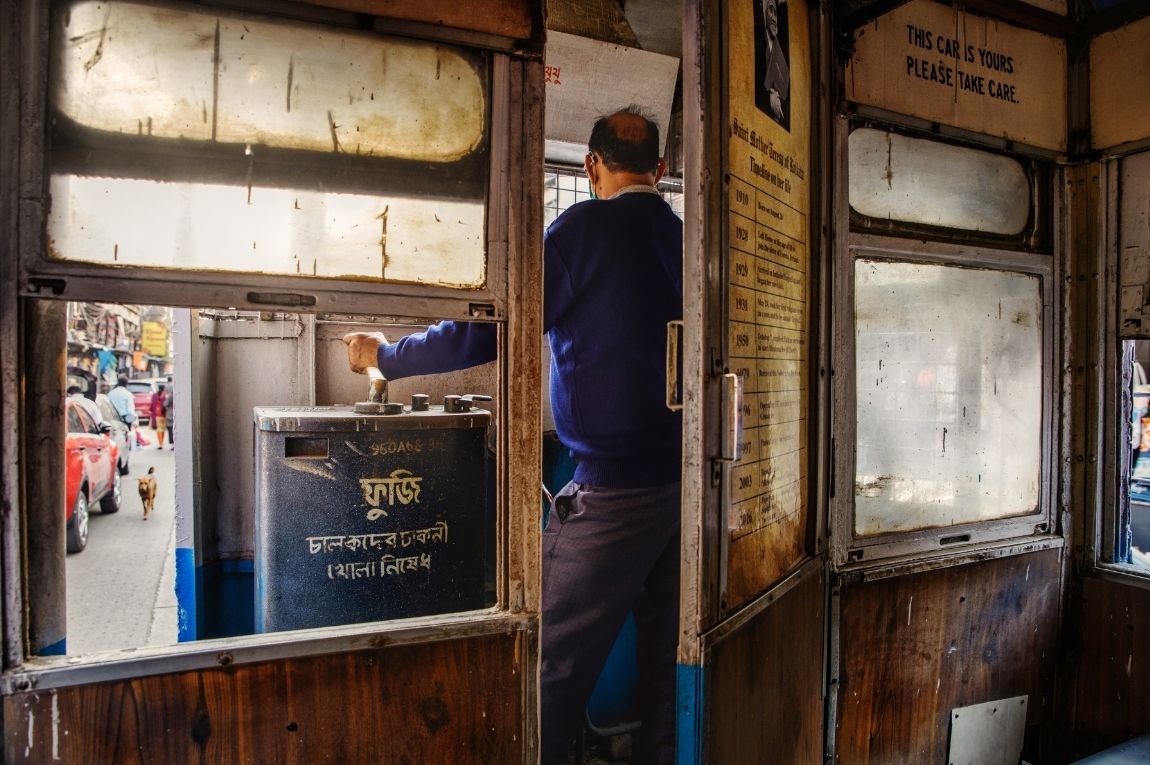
column 363, row 349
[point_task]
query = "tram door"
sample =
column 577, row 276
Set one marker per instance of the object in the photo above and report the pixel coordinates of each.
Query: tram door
column 288, row 174
column 753, row 611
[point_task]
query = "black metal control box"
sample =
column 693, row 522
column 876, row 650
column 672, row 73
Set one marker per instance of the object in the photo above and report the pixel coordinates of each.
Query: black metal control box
column 364, row 517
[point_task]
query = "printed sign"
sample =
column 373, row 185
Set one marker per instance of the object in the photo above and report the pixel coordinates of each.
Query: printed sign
column 768, row 287
column 154, row 338
column 942, row 64
column 586, row 78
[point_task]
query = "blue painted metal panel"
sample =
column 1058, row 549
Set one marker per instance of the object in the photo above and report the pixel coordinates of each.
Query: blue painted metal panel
column 689, row 744
column 59, row 648
column 186, row 591
column 226, row 602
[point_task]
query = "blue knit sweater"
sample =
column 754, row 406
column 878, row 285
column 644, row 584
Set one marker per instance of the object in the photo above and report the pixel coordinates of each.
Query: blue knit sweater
column 612, row 280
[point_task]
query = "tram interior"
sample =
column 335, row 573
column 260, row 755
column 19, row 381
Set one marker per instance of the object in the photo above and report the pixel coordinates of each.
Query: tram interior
column 926, row 590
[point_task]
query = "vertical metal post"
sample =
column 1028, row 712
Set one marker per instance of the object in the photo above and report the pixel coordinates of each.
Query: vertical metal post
column 45, row 343
column 183, row 330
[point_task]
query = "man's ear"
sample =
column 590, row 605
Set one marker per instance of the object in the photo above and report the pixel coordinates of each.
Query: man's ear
column 591, row 168
column 660, row 168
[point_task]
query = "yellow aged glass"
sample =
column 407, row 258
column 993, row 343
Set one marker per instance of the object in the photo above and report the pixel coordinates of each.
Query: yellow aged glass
column 191, row 140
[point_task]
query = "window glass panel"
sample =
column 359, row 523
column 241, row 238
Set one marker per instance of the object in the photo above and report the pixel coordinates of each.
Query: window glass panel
column 174, row 74
column 894, row 177
column 194, row 141
column 949, row 395
column 124, row 222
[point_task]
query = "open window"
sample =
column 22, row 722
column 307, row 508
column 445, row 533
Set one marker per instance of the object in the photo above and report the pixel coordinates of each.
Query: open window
column 257, row 186
column 1124, row 528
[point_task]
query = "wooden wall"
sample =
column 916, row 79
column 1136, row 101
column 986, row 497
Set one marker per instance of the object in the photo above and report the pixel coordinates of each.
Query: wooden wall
column 510, row 18
column 457, row 701
column 764, row 682
column 913, row 647
column 1111, row 699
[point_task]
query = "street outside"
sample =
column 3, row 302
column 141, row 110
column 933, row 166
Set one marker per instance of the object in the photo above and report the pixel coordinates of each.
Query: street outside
column 121, row 588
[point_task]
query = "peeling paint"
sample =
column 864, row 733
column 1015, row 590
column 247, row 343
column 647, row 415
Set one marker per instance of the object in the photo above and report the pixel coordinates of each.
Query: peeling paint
column 889, row 175
column 321, row 471
column 333, row 128
column 55, row 726
column 99, row 52
column 290, row 76
column 382, row 218
column 31, row 731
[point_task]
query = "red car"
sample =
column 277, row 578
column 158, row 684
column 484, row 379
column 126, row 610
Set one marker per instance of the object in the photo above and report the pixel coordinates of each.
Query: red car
column 91, row 475
column 142, row 391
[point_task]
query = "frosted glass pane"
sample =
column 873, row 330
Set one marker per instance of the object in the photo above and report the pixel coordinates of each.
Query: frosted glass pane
column 120, row 222
column 167, row 73
column 949, row 395
column 893, row 177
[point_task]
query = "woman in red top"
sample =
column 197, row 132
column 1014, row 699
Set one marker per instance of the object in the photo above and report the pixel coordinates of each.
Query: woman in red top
column 157, row 411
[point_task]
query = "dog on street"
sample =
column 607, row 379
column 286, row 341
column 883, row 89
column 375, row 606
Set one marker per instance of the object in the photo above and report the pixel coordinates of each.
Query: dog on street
column 147, row 489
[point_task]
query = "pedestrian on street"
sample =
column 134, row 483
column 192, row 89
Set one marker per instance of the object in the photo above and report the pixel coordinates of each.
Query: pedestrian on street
column 169, row 410
column 157, row 410
column 125, row 405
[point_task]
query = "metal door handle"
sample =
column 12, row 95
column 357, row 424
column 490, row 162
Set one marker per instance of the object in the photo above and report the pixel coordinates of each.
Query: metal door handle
column 674, row 353
column 732, row 446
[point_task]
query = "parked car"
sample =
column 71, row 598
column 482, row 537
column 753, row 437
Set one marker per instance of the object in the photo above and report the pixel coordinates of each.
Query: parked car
column 120, row 432
column 81, row 378
column 90, row 473
column 142, row 391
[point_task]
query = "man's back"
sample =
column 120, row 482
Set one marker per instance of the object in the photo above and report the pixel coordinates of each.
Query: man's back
column 124, row 402
column 613, row 279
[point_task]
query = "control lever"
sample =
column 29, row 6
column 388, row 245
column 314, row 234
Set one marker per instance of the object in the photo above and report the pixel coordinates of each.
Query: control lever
column 460, row 404
column 376, row 394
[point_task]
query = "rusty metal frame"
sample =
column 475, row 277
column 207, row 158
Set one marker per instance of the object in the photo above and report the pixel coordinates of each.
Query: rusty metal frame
column 845, row 546
column 702, row 232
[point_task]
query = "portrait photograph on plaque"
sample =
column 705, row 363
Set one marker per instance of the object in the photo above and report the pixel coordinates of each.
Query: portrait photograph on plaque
column 772, row 60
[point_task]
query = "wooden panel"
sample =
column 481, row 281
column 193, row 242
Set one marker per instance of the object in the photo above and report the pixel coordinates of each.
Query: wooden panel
column 508, row 18
column 597, row 19
column 764, row 683
column 1112, row 694
column 914, row 647
column 457, row 701
column 1119, row 67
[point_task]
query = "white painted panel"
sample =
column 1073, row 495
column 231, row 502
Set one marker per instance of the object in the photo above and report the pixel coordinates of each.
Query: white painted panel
column 586, row 79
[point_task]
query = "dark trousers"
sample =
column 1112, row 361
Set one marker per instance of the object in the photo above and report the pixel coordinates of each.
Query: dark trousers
column 607, row 552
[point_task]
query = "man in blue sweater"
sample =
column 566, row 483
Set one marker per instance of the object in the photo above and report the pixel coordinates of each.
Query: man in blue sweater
column 612, row 280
